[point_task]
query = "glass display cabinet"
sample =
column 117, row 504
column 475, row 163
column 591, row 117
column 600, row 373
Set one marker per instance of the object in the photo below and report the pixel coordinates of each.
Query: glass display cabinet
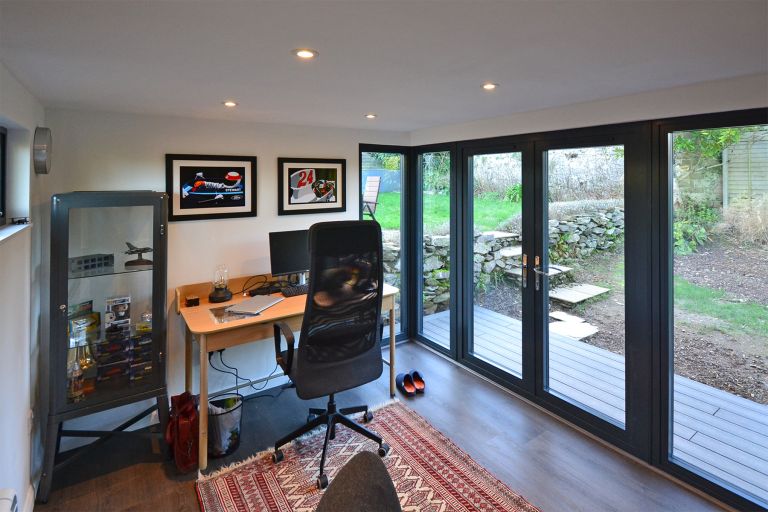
column 107, row 316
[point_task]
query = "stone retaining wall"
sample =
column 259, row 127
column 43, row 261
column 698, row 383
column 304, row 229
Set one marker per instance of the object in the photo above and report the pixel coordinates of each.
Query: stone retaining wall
column 580, row 235
column 500, row 252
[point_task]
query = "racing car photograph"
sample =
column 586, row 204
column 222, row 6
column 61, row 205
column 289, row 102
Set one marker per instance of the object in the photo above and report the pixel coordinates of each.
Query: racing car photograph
column 311, row 185
column 211, row 187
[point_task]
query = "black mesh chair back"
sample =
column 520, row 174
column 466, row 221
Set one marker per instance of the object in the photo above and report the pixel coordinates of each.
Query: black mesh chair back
column 339, row 347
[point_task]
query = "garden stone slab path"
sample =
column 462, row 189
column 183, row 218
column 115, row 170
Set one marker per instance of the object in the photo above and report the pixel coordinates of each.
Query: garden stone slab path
column 575, row 330
column 511, row 252
column 576, row 293
column 565, row 317
column 499, row 234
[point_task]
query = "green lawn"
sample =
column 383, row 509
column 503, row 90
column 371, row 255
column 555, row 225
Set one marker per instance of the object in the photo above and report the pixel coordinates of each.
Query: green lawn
column 749, row 317
column 489, row 213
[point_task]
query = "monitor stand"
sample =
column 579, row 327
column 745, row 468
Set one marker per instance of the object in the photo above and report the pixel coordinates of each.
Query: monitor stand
column 302, row 279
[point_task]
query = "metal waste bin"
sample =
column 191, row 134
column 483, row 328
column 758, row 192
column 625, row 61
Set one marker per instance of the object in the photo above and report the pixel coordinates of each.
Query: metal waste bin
column 224, row 421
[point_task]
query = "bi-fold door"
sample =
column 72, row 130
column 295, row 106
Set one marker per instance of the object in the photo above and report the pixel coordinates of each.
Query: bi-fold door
column 613, row 276
column 592, row 266
column 536, row 270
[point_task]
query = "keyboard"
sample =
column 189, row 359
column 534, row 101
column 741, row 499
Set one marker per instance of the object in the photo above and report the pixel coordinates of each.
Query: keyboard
column 299, row 289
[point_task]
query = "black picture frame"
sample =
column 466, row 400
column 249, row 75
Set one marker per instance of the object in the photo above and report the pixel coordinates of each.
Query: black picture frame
column 314, row 175
column 227, row 188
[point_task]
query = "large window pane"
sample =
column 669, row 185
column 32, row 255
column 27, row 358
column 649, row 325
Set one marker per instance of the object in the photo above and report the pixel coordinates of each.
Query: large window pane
column 720, row 333
column 434, row 170
column 497, row 195
column 586, row 331
column 384, row 172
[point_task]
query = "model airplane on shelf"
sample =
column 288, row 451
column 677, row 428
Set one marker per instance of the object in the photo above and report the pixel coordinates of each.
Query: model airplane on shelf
column 140, row 261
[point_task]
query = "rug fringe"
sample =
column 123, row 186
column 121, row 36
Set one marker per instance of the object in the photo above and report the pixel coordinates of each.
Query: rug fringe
column 234, row 465
column 384, row 404
column 269, row 451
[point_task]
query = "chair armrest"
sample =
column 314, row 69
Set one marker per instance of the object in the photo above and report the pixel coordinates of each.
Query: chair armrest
column 282, row 328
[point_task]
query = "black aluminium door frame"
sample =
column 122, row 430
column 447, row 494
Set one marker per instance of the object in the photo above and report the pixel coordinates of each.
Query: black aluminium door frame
column 417, row 231
column 405, row 227
column 465, row 241
column 635, row 437
column 654, row 352
column 663, row 296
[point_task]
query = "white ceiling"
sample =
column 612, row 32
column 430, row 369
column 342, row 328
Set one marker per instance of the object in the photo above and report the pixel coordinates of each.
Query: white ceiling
column 415, row 63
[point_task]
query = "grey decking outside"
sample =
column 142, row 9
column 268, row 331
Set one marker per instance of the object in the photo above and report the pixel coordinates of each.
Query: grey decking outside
column 715, row 431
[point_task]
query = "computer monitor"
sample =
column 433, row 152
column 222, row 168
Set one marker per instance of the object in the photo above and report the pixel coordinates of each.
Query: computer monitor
column 289, row 253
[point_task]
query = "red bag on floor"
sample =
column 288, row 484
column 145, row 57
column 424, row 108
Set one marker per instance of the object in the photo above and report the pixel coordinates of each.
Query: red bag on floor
column 182, row 432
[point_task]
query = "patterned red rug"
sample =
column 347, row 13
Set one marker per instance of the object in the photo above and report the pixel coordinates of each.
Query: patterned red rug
column 430, row 472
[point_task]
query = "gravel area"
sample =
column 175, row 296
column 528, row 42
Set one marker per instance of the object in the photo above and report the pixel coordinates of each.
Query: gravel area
column 742, row 272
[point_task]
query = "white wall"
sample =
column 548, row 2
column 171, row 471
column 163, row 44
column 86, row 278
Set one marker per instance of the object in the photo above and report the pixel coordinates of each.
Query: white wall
column 19, row 299
column 717, row 96
column 111, row 151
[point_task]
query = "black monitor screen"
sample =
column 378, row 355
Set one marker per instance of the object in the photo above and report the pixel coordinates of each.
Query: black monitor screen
column 289, row 252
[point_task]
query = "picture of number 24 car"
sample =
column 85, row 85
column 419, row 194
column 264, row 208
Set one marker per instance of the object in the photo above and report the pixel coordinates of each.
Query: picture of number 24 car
column 305, row 188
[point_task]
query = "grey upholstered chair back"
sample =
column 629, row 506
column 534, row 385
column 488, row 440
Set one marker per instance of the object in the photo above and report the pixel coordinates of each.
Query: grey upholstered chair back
column 339, row 347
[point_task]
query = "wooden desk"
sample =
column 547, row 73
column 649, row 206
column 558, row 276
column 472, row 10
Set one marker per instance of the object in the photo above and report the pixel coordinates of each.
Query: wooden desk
column 212, row 336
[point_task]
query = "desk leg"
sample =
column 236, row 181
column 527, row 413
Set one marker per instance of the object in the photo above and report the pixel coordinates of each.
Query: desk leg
column 203, row 427
column 392, row 341
column 187, row 360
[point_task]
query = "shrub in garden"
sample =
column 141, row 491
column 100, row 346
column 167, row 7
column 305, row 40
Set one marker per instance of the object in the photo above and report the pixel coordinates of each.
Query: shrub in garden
column 694, row 219
column 746, row 221
column 514, row 193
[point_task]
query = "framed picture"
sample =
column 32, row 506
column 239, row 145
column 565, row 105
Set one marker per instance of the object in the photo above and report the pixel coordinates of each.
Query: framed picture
column 311, row 185
column 210, row 187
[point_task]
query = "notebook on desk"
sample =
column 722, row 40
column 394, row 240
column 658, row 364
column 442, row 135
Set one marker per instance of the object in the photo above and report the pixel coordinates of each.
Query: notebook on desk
column 254, row 305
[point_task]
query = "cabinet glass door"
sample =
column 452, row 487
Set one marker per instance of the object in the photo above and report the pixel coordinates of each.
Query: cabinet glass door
column 109, row 341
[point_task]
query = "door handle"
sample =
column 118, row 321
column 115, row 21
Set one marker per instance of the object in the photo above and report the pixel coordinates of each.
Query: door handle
column 524, row 274
column 544, row 273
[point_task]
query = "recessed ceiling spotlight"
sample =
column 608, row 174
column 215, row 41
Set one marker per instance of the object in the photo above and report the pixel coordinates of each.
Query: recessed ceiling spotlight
column 305, row 53
column 489, row 86
column 229, row 103
column 370, row 116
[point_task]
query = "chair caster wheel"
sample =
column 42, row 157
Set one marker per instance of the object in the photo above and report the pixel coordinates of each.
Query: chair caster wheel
column 367, row 417
column 383, row 450
column 277, row 456
column 322, row 482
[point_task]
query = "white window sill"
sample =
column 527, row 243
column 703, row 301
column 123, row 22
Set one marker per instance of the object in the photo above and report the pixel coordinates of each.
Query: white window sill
column 10, row 230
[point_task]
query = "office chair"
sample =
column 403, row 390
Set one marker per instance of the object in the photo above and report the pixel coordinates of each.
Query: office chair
column 341, row 329
column 362, row 485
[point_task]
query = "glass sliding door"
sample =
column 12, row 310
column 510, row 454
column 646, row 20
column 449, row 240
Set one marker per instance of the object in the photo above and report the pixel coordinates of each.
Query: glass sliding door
column 498, row 305
column 718, row 252
column 382, row 177
column 434, row 320
column 581, row 276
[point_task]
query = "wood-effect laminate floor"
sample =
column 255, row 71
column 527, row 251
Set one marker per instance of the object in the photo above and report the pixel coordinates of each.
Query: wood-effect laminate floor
column 716, row 431
column 551, row 464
